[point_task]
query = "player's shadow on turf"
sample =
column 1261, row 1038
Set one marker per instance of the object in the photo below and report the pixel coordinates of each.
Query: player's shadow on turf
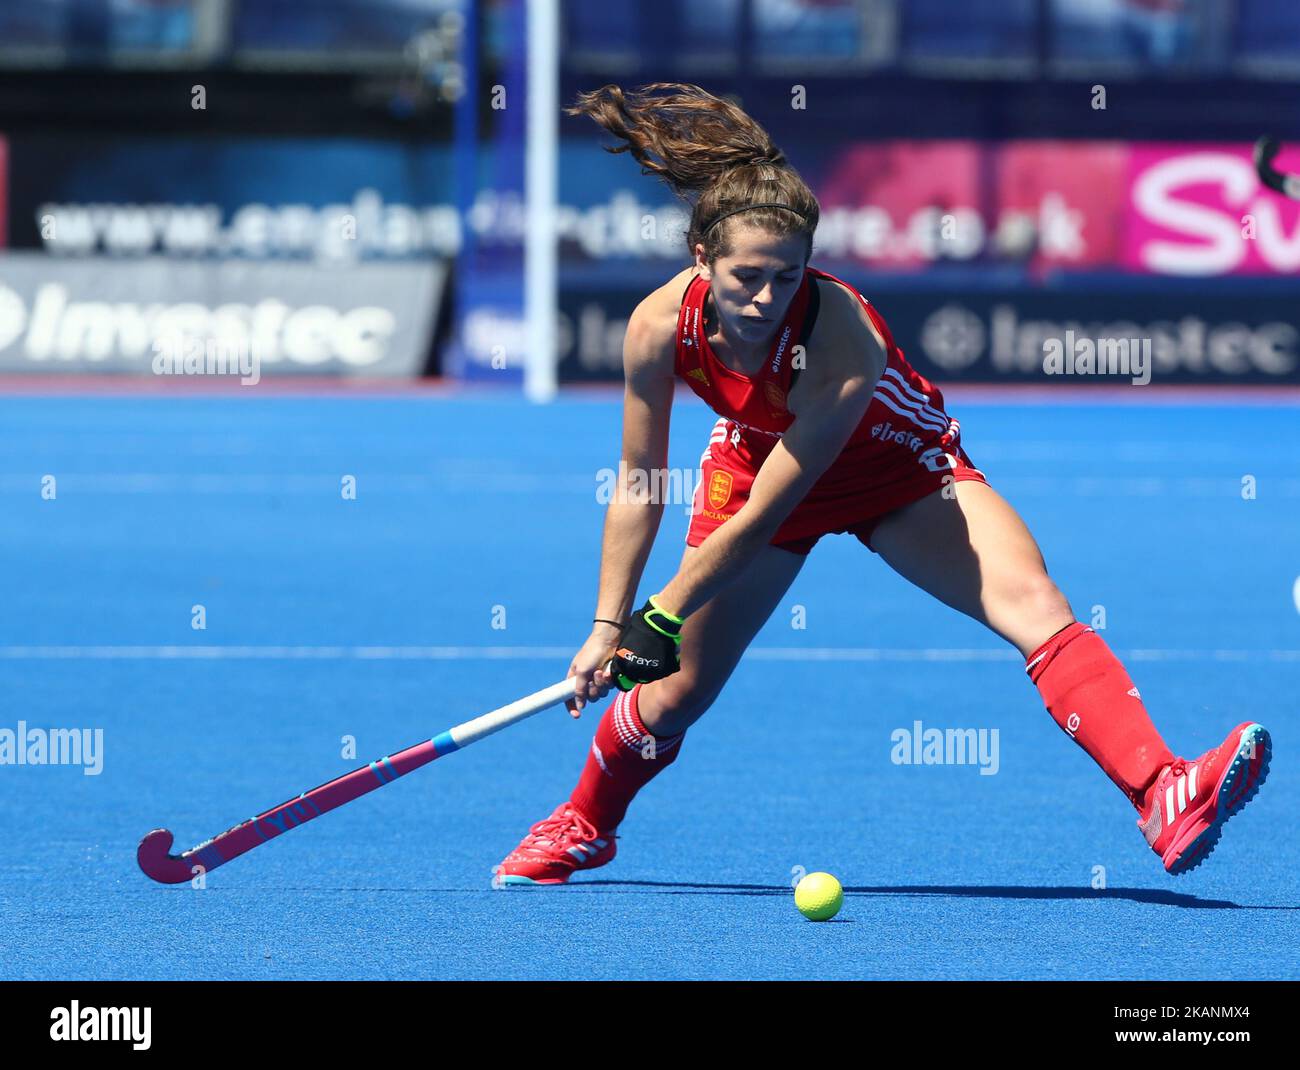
column 1154, row 896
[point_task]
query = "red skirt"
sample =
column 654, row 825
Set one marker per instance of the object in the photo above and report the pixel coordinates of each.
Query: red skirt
column 912, row 451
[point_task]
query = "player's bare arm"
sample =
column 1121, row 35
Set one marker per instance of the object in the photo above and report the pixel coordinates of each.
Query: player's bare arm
column 632, row 518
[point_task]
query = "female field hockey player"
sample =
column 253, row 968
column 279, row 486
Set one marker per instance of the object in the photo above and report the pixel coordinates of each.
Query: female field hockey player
column 823, row 428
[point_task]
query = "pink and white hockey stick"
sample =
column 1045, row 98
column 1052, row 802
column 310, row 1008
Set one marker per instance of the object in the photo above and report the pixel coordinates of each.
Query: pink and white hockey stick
column 166, row 868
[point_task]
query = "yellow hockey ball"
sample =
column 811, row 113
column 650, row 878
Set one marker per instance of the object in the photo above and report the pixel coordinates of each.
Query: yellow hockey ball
column 818, row 897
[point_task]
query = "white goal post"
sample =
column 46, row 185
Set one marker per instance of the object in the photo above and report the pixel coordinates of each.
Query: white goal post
column 541, row 180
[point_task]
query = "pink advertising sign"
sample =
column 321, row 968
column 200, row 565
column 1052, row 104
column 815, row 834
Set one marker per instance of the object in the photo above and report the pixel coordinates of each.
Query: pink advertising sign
column 1191, row 210
column 1068, row 195
column 1200, row 210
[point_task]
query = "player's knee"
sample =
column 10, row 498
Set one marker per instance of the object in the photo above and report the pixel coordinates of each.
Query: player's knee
column 1037, row 603
column 677, row 702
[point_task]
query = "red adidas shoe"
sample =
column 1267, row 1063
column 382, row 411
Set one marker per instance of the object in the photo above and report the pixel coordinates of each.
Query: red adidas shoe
column 1189, row 801
column 555, row 848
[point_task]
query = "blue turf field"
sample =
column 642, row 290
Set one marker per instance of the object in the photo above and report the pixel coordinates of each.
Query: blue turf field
column 373, row 618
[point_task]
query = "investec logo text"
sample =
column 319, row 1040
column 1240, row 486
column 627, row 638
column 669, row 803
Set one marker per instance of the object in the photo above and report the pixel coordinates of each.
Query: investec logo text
column 780, row 349
column 957, row 336
column 58, row 329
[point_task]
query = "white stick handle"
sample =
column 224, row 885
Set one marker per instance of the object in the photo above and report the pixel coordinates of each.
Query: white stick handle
column 472, row 731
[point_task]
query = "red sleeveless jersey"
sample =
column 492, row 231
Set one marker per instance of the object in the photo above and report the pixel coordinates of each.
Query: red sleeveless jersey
column 759, row 403
column 905, row 447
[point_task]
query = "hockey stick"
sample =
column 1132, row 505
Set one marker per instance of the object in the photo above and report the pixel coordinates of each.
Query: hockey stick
column 166, row 868
column 1266, row 148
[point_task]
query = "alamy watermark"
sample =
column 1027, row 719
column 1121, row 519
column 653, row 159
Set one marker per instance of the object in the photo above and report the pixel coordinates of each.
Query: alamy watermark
column 641, row 486
column 919, row 745
column 75, row 1022
column 53, row 746
column 187, row 354
column 1085, row 355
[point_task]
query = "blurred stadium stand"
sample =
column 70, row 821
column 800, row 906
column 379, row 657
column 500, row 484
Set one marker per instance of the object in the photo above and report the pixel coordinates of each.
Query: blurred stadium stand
column 383, row 110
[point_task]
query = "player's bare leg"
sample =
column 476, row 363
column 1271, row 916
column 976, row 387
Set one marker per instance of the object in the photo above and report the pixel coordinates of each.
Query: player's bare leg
column 640, row 734
column 973, row 552
column 713, row 640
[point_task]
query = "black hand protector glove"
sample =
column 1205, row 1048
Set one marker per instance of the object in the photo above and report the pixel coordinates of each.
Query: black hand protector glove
column 648, row 647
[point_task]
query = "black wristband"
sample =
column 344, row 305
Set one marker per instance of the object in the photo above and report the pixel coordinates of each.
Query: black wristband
column 602, row 620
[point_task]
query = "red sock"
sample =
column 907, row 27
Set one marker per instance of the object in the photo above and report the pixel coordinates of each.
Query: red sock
column 1091, row 697
column 624, row 758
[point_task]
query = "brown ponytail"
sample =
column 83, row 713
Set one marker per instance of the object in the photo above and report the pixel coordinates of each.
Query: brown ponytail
column 711, row 154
